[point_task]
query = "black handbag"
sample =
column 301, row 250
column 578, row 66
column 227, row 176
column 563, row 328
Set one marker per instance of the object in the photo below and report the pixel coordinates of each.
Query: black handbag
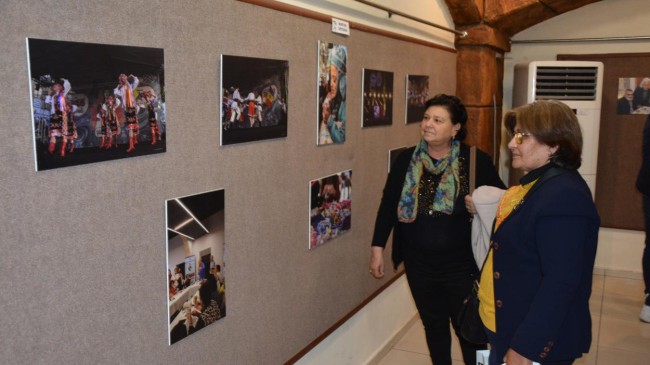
column 469, row 321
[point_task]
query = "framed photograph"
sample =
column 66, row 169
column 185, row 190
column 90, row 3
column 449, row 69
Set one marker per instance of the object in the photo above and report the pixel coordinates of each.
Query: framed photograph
column 254, row 99
column 195, row 263
column 377, row 98
column 95, row 102
column 392, row 155
column 332, row 89
column 330, row 210
column 633, row 95
column 417, row 94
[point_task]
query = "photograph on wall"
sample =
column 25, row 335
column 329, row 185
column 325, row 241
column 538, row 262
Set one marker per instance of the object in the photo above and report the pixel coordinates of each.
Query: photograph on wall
column 392, row 155
column 332, row 87
column 95, row 102
column 195, row 262
column 377, row 98
column 633, row 95
column 253, row 99
column 330, row 210
column 417, row 94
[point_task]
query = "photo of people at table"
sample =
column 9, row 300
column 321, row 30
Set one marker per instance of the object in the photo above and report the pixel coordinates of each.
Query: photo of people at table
column 633, row 95
column 331, row 208
column 195, row 263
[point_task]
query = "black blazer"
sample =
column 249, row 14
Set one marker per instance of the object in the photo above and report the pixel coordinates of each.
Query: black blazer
column 386, row 220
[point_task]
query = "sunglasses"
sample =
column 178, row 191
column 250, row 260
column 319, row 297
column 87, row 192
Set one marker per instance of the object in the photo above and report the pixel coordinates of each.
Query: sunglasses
column 519, row 136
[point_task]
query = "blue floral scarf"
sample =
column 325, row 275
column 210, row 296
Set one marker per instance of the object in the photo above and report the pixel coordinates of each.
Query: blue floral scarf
column 448, row 188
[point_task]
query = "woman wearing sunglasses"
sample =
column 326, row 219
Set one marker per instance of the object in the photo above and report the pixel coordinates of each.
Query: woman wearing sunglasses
column 536, row 282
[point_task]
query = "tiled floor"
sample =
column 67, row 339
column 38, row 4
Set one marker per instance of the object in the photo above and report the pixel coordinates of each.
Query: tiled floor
column 619, row 338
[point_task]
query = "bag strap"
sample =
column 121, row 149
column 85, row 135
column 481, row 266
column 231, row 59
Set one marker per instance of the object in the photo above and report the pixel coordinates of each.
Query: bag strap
column 472, row 169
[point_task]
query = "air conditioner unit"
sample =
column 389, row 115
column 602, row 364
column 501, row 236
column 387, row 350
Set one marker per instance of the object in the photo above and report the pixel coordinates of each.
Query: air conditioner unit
column 579, row 84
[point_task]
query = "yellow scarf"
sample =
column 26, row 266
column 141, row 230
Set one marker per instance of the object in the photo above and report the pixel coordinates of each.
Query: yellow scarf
column 510, row 201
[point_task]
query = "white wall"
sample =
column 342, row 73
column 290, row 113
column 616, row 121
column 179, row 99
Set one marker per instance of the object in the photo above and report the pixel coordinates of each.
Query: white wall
column 618, row 250
column 362, row 339
column 434, row 11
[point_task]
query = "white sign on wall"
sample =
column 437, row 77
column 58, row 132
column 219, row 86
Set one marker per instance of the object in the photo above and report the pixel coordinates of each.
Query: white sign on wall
column 340, row 26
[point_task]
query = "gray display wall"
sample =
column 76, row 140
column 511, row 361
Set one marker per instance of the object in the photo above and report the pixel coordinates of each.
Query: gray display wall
column 83, row 268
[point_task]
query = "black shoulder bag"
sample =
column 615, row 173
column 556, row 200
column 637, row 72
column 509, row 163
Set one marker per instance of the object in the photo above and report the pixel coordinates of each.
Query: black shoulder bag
column 469, row 321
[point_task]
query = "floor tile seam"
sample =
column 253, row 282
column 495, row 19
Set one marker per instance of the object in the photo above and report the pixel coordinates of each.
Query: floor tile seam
column 410, row 351
column 623, row 350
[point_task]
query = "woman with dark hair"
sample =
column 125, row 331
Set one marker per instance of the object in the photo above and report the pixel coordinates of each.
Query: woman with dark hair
column 536, row 282
column 209, row 309
column 424, row 204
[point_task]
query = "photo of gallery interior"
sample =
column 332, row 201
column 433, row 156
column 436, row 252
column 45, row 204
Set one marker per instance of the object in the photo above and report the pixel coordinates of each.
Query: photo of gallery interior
column 195, row 256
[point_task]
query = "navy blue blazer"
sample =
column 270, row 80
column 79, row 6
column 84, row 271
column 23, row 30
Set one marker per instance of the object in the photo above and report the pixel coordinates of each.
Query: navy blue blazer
column 544, row 254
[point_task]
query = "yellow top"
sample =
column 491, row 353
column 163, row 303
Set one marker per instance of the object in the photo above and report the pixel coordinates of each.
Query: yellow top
column 511, row 198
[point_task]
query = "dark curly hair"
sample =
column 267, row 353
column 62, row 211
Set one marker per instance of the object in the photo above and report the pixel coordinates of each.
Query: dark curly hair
column 456, row 110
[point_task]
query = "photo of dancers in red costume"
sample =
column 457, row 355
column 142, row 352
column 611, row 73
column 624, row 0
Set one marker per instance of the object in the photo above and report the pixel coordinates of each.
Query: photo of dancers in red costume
column 95, row 102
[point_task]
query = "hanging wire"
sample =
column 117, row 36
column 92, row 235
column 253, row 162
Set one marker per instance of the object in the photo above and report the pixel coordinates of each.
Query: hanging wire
column 391, row 12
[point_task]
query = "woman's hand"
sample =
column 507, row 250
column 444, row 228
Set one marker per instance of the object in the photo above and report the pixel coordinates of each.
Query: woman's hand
column 377, row 262
column 514, row 358
column 469, row 204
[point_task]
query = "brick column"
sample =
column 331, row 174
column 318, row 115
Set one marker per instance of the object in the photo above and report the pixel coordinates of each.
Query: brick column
column 479, row 83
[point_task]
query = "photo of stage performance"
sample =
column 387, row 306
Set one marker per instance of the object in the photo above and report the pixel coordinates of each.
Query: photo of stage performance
column 377, row 98
column 253, row 99
column 417, row 93
column 95, row 102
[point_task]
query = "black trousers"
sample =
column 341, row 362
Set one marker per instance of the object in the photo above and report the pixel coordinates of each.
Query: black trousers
column 645, row 260
column 438, row 297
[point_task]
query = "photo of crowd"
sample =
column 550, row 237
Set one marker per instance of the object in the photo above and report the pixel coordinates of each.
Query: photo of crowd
column 195, row 263
column 417, row 93
column 95, row 102
column 377, row 98
column 633, row 95
column 330, row 212
column 253, row 99
column 332, row 88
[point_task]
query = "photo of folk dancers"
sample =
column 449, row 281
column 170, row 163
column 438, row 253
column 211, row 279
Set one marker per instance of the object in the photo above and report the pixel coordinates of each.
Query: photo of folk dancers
column 195, row 263
column 95, row 102
column 633, row 95
column 332, row 86
column 417, row 93
column 330, row 211
column 253, row 99
column 377, row 98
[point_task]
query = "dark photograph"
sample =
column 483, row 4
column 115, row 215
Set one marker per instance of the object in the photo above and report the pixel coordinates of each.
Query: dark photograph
column 377, row 98
column 253, row 99
column 95, row 102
